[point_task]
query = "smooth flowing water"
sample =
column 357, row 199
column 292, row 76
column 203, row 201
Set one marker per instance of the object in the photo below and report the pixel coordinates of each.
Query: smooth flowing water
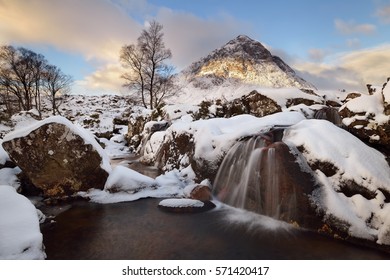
column 250, row 178
column 139, row 230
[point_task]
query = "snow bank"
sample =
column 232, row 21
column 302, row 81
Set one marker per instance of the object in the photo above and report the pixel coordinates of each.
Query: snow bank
column 8, row 176
column 20, row 236
column 322, row 141
column 325, row 142
column 125, row 184
column 3, row 154
column 76, row 129
column 127, row 180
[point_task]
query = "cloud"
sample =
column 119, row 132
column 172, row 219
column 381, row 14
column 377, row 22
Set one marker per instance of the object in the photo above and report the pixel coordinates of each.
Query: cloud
column 316, row 54
column 350, row 71
column 106, row 79
column 94, row 28
column 350, row 27
column 383, row 13
column 190, row 37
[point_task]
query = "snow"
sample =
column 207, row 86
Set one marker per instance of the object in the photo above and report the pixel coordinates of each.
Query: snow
column 3, row 154
column 127, row 180
column 214, row 137
column 171, row 184
column 229, row 91
column 20, row 236
column 181, row 203
column 386, row 93
column 371, row 107
column 76, row 129
column 355, row 161
column 8, row 176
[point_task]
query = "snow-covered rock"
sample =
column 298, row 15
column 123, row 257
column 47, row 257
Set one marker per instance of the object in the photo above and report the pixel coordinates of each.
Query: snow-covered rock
column 185, row 205
column 123, row 179
column 368, row 116
column 354, row 178
column 59, row 157
column 202, row 144
column 20, row 236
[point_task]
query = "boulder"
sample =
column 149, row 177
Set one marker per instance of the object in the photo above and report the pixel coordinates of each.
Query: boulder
column 200, row 192
column 260, row 105
column 58, row 157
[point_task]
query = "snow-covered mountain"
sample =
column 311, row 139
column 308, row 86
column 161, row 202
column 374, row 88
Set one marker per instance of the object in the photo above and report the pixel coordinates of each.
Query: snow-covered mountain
column 242, row 60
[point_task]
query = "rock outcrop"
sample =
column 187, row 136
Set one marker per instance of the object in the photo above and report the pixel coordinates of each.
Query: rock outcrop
column 368, row 116
column 58, row 157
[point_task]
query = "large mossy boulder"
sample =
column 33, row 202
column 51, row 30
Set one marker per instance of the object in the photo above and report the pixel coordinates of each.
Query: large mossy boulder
column 58, row 157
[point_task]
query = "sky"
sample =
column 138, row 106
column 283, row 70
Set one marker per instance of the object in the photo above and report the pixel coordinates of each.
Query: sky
column 334, row 44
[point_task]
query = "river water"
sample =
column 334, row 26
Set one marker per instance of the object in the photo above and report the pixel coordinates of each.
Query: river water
column 140, row 230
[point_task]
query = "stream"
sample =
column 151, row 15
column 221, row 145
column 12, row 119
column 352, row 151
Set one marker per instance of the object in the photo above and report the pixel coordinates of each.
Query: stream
column 140, row 230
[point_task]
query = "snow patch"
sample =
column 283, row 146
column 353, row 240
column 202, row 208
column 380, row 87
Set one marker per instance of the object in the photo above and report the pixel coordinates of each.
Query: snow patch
column 20, row 236
column 181, row 203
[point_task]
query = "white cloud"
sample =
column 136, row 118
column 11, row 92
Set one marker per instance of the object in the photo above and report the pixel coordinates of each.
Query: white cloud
column 106, row 78
column 350, row 27
column 190, row 37
column 94, row 28
column 351, row 70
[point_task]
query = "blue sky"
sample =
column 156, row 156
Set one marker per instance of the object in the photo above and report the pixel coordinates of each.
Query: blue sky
column 333, row 44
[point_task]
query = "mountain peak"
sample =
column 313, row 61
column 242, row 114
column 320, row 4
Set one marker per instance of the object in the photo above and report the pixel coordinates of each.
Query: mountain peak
column 243, row 59
column 245, row 48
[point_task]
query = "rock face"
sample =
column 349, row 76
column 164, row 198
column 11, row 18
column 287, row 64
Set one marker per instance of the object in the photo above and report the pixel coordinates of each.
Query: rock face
column 58, row 160
column 246, row 60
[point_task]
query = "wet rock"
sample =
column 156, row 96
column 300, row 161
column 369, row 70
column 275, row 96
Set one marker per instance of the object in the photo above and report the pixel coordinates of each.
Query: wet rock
column 270, row 183
column 329, row 114
column 201, row 192
column 58, row 159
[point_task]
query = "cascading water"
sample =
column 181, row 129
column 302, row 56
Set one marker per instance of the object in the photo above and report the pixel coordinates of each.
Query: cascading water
column 248, row 177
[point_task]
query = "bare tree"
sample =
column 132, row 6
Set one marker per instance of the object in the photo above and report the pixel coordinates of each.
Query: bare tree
column 24, row 74
column 133, row 59
column 20, row 73
column 149, row 77
column 56, row 84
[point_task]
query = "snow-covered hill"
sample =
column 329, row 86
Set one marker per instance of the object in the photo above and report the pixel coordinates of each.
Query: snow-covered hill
column 239, row 63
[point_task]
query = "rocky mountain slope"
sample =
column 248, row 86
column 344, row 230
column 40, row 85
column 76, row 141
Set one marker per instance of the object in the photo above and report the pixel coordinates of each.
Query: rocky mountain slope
column 242, row 60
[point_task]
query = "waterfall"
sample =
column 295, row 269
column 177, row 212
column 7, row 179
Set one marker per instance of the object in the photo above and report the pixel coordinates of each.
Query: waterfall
column 248, row 177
